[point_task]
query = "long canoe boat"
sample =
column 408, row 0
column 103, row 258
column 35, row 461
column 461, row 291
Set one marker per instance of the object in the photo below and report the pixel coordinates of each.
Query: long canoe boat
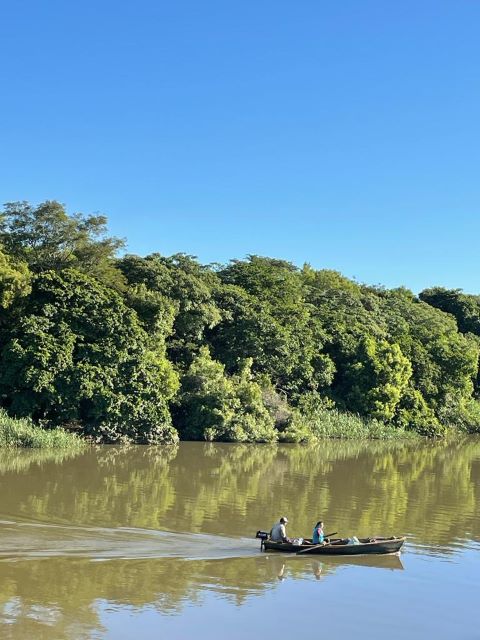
column 339, row 547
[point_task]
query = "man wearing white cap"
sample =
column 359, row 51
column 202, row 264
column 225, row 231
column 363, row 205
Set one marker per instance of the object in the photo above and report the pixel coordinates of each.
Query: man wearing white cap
column 278, row 532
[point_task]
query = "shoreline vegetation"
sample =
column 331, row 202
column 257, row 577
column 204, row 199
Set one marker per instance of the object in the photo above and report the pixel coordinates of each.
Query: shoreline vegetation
column 119, row 348
column 21, row 432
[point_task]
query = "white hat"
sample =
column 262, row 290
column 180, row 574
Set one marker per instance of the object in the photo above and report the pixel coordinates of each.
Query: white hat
column 284, row 519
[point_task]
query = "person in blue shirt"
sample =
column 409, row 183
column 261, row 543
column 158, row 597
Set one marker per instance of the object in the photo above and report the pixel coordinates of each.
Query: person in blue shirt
column 318, row 536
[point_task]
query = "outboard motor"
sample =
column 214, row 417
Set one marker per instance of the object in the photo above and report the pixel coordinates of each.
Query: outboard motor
column 263, row 535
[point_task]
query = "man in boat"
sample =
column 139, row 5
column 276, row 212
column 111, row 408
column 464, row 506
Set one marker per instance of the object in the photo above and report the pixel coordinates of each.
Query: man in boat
column 278, row 532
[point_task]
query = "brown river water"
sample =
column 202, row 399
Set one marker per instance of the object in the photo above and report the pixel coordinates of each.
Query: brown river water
column 152, row 542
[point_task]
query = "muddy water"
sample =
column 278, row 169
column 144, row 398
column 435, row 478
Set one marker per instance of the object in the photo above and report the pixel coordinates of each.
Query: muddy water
column 156, row 542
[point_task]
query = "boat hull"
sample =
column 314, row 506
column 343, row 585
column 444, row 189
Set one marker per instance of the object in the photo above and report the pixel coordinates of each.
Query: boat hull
column 340, row 547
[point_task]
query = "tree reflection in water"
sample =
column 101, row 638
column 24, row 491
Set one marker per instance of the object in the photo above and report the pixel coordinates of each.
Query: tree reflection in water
column 427, row 490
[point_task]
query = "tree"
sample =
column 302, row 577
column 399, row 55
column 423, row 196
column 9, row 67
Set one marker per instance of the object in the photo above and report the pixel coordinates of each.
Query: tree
column 189, row 287
column 266, row 317
column 465, row 308
column 376, row 379
column 215, row 406
column 444, row 362
column 79, row 355
column 14, row 280
column 47, row 238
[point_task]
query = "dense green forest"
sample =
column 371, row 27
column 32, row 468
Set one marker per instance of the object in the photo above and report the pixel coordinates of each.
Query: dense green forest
column 150, row 349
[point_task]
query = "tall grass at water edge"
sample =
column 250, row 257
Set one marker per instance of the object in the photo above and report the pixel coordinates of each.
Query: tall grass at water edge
column 330, row 423
column 21, row 432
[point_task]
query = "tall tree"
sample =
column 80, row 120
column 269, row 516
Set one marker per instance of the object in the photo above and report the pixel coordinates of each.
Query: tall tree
column 266, row 312
column 14, row 279
column 47, row 238
column 376, row 379
column 79, row 356
column 190, row 287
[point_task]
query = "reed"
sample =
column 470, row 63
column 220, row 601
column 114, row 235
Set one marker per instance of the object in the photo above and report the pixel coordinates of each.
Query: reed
column 331, row 423
column 22, row 432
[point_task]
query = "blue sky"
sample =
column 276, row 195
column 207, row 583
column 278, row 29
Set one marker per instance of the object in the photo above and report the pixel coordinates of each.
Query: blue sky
column 343, row 134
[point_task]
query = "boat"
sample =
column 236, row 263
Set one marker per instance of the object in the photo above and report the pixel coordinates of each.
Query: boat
column 336, row 547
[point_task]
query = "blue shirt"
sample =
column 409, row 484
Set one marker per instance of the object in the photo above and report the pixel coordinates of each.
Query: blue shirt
column 317, row 537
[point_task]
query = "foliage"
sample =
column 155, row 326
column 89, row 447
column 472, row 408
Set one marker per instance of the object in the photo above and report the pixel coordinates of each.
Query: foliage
column 466, row 310
column 216, row 406
column 464, row 307
column 14, row 279
column 414, row 414
column 47, row 238
column 376, row 378
column 21, row 432
column 331, row 423
column 269, row 320
column 444, row 361
column 79, row 355
column 189, row 287
column 263, row 350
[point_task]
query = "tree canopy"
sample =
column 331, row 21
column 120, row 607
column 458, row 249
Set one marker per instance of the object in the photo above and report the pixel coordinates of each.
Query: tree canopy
column 153, row 348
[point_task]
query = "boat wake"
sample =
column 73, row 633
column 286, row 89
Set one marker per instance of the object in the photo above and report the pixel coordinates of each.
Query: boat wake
column 28, row 540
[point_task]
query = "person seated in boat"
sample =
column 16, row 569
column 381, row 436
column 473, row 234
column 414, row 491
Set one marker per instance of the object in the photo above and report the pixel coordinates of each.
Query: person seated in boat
column 318, row 537
column 278, row 532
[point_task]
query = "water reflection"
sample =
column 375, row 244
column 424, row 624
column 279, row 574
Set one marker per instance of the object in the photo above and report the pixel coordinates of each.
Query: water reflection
column 161, row 527
column 57, row 598
column 428, row 490
column 291, row 566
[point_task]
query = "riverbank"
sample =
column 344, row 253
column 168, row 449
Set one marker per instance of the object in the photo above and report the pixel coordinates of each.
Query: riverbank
column 331, row 423
column 325, row 424
column 21, row 432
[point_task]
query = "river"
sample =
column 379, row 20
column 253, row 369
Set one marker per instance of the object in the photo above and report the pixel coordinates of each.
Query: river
column 155, row 542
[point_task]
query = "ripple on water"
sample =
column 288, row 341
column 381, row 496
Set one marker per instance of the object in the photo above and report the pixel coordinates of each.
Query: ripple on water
column 22, row 540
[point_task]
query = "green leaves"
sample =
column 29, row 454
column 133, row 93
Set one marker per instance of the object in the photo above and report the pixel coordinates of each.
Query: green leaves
column 215, row 406
column 266, row 317
column 189, row 287
column 79, row 354
column 256, row 350
column 376, row 379
column 14, row 280
column 47, row 238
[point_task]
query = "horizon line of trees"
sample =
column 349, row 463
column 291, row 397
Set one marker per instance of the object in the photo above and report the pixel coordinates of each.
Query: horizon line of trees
column 152, row 349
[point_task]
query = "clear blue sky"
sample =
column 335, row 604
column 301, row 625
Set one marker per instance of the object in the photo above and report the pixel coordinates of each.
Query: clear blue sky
column 344, row 134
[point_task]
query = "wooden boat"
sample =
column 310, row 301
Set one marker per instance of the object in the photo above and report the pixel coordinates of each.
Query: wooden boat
column 339, row 546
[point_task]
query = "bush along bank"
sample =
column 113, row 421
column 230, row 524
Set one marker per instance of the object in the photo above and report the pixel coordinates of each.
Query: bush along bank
column 155, row 349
